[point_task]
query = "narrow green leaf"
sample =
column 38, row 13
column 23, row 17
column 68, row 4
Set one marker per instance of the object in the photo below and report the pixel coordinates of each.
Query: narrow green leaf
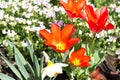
column 65, row 55
column 5, row 77
column 31, row 50
column 41, row 65
column 29, row 67
column 12, row 67
column 16, row 51
column 34, row 60
column 21, row 67
column 37, row 66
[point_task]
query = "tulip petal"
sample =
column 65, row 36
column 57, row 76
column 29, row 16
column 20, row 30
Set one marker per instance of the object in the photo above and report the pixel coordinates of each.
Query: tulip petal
column 55, row 30
column 68, row 5
column 80, row 4
column 45, row 34
column 90, row 13
column 109, row 26
column 81, row 52
column 102, row 15
column 93, row 27
column 67, row 32
column 73, row 41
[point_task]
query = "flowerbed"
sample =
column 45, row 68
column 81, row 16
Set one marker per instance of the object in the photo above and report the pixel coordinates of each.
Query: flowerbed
column 47, row 37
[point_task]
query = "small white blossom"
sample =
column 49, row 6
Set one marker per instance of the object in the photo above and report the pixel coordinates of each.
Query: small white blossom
column 11, row 33
column 80, row 32
column 29, row 22
column 118, row 51
column 113, row 6
column 62, row 10
column 101, row 34
column 118, row 9
column 1, row 14
column 12, row 18
column 119, row 57
column 5, row 43
column 49, row 12
column 36, row 8
column 4, row 31
column 3, row 4
column 112, row 39
column 27, row 28
column 56, row 9
column 24, row 44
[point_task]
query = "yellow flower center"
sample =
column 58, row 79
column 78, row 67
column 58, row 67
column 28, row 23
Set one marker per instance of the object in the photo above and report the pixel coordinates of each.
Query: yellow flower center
column 76, row 62
column 50, row 63
column 56, row 73
column 60, row 46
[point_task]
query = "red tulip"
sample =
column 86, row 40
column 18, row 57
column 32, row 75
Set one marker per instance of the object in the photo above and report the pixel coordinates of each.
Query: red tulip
column 58, row 39
column 97, row 21
column 79, row 59
column 73, row 8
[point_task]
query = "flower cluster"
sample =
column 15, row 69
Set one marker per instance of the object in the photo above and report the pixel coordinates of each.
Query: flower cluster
column 61, row 41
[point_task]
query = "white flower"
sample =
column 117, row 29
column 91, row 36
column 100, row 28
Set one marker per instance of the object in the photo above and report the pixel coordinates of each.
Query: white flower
column 112, row 39
column 11, row 33
column 118, row 51
column 80, row 32
column 24, row 44
column 62, row 10
column 119, row 57
column 101, row 34
column 52, row 69
column 5, row 43
column 118, row 9
column 12, row 18
column 112, row 6
column 29, row 22
column 50, row 13
column 56, row 9
column 1, row 14
column 3, row 4
column 4, row 31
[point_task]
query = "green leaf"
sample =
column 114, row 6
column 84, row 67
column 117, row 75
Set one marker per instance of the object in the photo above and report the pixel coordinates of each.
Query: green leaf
column 31, row 50
column 21, row 67
column 12, row 67
column 36, row 67
column 16, row 51
column 34, row 60
column 29, row 67
column 5, row 77
column 41, row 65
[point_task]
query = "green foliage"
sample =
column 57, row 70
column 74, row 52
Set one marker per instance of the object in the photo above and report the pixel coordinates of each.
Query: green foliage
column 25, row 68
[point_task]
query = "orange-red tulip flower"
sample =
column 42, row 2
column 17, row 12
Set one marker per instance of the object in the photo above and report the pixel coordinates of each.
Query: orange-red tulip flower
column 59, row 39
column 73, row 8
column 97, row 20
column 77, row 58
